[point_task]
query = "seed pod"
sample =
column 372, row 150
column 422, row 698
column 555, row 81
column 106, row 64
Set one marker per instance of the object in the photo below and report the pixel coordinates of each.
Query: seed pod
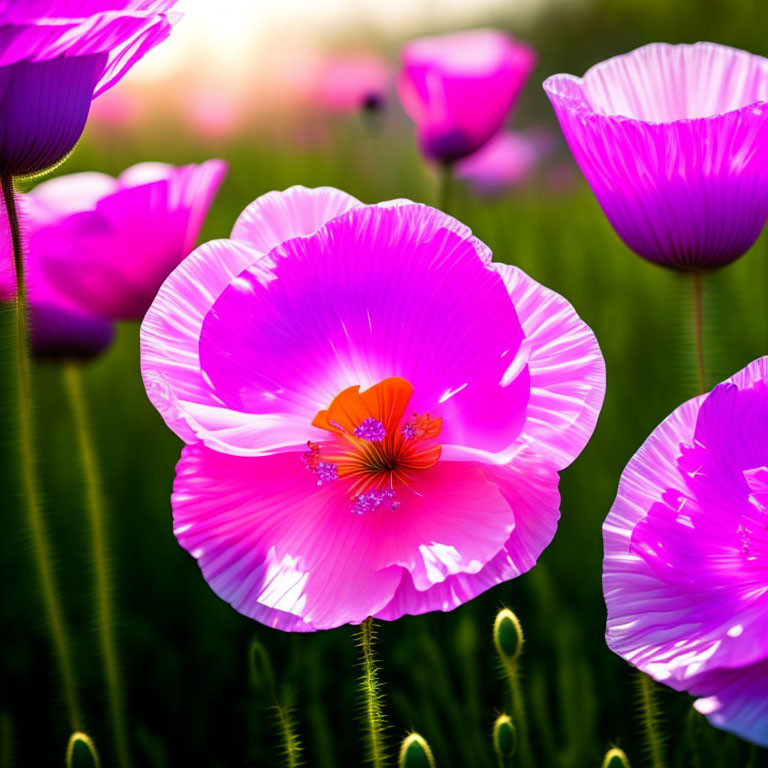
column 81, row 752
column 615, row 758
column 504, row 737
column 508, row 636
column 415, row 753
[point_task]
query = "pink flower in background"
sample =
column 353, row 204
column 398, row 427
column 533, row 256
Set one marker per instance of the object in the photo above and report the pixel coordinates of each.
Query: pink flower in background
column 459, row 88
column 118, row 108
column 212, row 113
column 58, row 326
column 352, row 82
column 507, row 160
column 686, row 554
column 57, row 55
column 673, row 141
column 107, row 244
column 366, row 436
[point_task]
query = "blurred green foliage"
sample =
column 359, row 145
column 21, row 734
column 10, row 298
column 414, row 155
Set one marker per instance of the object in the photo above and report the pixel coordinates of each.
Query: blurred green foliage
column 187, row 656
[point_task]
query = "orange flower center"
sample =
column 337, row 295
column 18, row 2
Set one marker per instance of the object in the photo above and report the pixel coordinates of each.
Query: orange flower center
column 373, row 445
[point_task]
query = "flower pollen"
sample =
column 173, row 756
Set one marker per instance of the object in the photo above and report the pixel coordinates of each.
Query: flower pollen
column 372, row 430
column 371, row 446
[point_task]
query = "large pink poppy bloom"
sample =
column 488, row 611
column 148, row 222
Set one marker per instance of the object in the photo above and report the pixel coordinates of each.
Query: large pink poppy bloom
column 686, row 554
column 459, row 88
column 108, row 243
column 673, row 140
column 375, row 412
column 57, row 55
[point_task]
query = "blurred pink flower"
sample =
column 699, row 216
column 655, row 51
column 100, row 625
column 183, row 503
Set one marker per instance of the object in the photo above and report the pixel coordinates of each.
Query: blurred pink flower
column 352, row 82
column 213, row 112
column 118, row 108
column 58, row 326
column 459, row 88
column 685, row 574
column 673, row 140
column 346, row 456
column 107, row 244
column 507, row 160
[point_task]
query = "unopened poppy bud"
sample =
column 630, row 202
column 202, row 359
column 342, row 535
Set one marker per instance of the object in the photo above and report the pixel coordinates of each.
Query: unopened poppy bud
column 81, row 752
column 615, row 758
column 415, row 753
column 260, row 671
column 508, row 636
column 504, row 737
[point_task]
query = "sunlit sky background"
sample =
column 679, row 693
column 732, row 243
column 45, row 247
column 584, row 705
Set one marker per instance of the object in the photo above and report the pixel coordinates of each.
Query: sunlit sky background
column 219, row 39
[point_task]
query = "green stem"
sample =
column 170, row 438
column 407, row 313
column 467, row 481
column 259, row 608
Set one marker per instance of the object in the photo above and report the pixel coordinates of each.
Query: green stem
column 445, row 189
column 291, row 744
column 99, row 549
column 38, row 527
column 519, row 715
column 650, row 714
column 372, row 697
column 698, row 328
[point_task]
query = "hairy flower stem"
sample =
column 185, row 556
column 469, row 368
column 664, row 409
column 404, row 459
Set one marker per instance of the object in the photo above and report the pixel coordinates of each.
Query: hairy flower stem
column 698, row 328
column 41, row 545
column 94, row 501
column 519, row 715
column 291, row 745
column 650, row 713
column 372, row 697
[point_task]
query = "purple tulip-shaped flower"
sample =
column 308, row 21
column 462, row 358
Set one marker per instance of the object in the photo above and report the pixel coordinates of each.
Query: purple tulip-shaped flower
column 55, row 57
column 673, row 141
column 459, row 88
column 685, row 574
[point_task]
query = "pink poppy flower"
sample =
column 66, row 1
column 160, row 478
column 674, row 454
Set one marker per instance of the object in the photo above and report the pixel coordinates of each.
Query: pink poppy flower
column 58, row 326
column 459, row 88
column 673, row 140
column 352, row 82
column 506, row 161
column 686, row 554
column 366, row 436
column 107, row 244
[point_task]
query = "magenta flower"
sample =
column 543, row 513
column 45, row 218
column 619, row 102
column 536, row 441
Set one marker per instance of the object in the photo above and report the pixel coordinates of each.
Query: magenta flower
column 367, row 437
column 59, row 327
column 108, row 244
column 459, row 88
column 686, row 554
column 506, row 161
column 673, row 141
column 352, row 82
column 57, row 55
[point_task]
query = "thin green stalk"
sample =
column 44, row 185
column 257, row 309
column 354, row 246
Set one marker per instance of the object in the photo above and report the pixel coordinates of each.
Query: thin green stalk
column 291, row 744
column 96, row 506
column 372, row 697
column 262, row 677
column 650, row 714
column 41, row 545
column 519, row 714
column 445, row 190
column 698, row 328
